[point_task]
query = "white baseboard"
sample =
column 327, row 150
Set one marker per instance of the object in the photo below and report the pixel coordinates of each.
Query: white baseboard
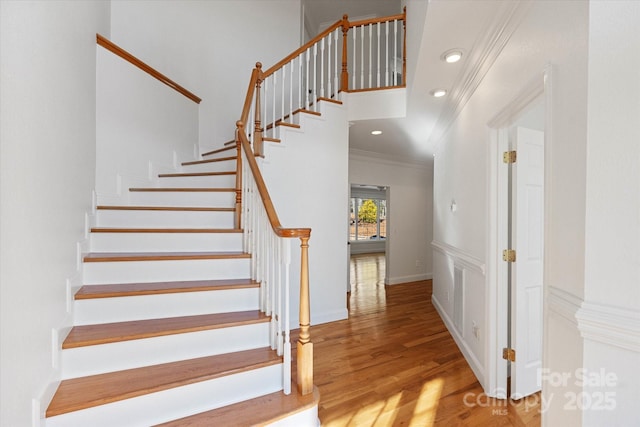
column 408, row 279
column 473, row 362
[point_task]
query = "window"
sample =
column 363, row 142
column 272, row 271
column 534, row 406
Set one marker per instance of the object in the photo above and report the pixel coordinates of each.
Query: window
column 368, row 219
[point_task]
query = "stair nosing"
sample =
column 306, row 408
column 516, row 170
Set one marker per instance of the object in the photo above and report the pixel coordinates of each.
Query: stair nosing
column 199, row 162
column 164, row 208
column 152, row 328
column 184, row 190
column 116, row 290
column 165, row 230
column 160, row 256
column 219, row 150
column 194, row 174
column 197, row 370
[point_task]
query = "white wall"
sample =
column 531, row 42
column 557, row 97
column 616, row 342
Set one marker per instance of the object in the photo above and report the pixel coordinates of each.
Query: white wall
column 609, row 317
column 143, row 127
column 551, row 32
column 210, row 48
column 307, row 175
column 47, row 164
column 409, row 213
column 592, row 230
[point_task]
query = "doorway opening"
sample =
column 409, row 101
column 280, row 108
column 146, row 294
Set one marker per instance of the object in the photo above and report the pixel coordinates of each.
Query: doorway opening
column 368, row 237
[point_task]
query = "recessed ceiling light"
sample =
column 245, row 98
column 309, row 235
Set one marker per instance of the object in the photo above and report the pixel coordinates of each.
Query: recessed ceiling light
column 451, row 56
column 438, row 93
column 376, row 132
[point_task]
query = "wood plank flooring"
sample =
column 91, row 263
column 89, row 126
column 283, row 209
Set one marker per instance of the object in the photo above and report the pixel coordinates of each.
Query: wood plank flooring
column 393, row 363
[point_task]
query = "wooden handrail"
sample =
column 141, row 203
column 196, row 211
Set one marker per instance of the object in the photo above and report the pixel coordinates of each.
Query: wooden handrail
column 112, row 47
column 264, row 193
column 301, row 49
column 398, row 17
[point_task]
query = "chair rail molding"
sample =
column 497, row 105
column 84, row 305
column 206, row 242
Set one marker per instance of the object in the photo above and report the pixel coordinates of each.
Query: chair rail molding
column 616, row 326
column 460, row 257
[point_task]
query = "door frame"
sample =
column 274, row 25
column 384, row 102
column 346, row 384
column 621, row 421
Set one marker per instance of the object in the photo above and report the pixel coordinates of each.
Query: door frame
column 497, row 226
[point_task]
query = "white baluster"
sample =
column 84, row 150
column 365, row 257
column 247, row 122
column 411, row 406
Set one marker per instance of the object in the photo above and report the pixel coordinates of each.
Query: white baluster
column 361, row 55
column 291, row 86
column 315, row 72
column 378, row 56
column 329, row 77
column 265, row 110
column 355, row 66
column 306, row 95
column 370, row 56
column 386, row 48
column 283, row 84
column 321, row 68
column 277, row 246
column 395, row 52
column 273, row 107
column 286, row 257
column 336, row 87
column 300, row 80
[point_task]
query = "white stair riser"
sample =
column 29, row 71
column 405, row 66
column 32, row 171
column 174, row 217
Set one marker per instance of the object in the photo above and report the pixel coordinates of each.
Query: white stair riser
column 307, row 418
column 221, row 166
column 98, row 359
column 165, row 242
column 220, row 181
column 168, row 219
column 122, row 309
column 222, row 199
column 176, row 403
column 164, row 271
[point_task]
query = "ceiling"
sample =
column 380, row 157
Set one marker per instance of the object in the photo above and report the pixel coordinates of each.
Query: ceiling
column 474, row 26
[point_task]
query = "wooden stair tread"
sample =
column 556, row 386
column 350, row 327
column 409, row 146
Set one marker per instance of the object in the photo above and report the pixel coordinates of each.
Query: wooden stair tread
column 264, row 138
column 184, row 175
column 155, row 288
column 186, row 190
column 165, row 208
column 261, row 410
column 160, row 256
column 304, row 110
column 164, row 230
column 335, row 101
column 219, row 150
column 86, row 335
column 199, row 162
column 86, row 392
column 285, row 124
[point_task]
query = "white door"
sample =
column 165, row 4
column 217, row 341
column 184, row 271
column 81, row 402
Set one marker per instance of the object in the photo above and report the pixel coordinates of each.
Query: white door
column 526, row 272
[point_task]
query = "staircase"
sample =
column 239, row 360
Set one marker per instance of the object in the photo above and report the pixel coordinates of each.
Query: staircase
column 168, row 327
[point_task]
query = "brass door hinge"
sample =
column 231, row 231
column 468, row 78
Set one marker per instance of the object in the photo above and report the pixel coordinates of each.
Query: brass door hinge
column 509, row 354
column 509, row 157
column 509, row 255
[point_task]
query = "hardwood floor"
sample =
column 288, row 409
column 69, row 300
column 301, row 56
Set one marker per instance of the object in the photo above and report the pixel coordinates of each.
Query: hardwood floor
column 393, row 363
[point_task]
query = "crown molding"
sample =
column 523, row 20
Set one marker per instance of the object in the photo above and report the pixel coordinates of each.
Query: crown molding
column 481, row 58
column 371, row 156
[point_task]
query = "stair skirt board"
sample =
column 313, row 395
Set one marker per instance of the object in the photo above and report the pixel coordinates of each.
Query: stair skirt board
column 223, row 181
column 183, row 198
column 142, row 307
column 164, row 242
column 178, row 402
column 167, row 270
column 118, row 356
column 158, row 218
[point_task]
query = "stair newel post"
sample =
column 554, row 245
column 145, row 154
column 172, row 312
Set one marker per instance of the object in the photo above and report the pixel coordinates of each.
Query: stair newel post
column 238, row 212
column 344, row 77
column 404, row 46
column 257, row 140
column 305, row 346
